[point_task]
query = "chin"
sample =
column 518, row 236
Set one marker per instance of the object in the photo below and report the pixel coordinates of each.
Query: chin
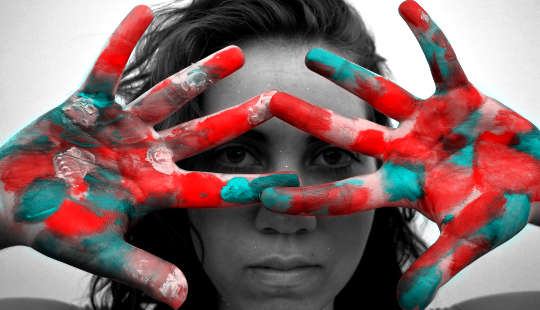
column 306, row 303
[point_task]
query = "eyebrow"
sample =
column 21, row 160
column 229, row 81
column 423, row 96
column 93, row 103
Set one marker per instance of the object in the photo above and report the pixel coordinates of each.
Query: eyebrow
column 312, row 139
column 254, row 135
column 258, row 136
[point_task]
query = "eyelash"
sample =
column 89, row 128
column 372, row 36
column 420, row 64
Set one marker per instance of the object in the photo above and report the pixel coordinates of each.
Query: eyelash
column 350, row 155
column 224, row 164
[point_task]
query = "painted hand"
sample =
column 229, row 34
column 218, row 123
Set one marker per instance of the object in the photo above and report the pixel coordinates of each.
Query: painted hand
column 79, row 176
column 462, row 159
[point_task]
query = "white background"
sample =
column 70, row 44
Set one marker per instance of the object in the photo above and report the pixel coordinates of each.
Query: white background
column 48, row 47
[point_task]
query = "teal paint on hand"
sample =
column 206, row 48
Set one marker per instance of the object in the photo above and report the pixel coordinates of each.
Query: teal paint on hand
column 108, row 174
column 41, row 199
column 529, row 143
column 76, row 139
column 109, row 249
column 104, row 200
column 101, row 176
column 203, row 195
column 275, row 180
column 401, row 182
column 464, row 157
column 448, row 218
column 423, row 286
column 276, row 201
column 99, row 99
column 12, row 145
column 434, row 52
column 343, row 69
column 466, row 128
column 43, row 141
column 238, row 190
column 515, row 217
column 353, row 182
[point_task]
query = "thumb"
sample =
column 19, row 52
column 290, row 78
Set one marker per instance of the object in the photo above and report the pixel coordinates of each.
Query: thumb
column 463, row 240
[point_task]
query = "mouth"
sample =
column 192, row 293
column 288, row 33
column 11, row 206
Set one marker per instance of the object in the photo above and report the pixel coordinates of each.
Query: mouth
column 283, row 264
column 285, row 272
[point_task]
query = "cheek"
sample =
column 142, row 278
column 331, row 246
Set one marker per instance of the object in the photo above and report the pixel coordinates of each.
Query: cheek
column 218, row 228
column 220, row 231
column 349, row 235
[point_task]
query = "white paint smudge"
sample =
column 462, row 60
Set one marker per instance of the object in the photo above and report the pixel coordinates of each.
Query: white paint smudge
column 160, row 157
column 73, row 165
column 82, row 111
column 174, row 285
column 260, row 111
column 190, row 82
column 424, row 17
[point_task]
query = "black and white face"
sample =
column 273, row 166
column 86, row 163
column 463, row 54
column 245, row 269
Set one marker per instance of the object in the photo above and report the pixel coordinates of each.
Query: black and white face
column 258, row 259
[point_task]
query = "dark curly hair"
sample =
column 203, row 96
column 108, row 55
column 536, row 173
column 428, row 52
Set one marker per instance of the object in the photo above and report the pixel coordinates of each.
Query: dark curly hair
column 183, row 34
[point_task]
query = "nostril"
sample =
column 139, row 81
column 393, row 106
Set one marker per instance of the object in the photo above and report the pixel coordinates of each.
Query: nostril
column 302, row 231
column 269, row 231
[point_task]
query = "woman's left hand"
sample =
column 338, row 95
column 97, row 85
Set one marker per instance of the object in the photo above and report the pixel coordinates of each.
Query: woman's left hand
column 464, row 160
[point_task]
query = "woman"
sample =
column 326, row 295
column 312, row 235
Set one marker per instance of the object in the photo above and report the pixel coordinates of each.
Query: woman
column 273, row 60
column 259, row 27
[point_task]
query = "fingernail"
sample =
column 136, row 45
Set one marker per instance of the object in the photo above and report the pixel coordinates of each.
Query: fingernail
column 413, row 13
column 174, row 289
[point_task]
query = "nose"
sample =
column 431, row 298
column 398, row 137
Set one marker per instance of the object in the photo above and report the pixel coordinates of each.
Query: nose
column 269, row 222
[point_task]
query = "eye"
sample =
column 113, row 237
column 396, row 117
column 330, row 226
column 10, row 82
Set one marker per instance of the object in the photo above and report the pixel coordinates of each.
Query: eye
column 333, row 157
column 235, row 157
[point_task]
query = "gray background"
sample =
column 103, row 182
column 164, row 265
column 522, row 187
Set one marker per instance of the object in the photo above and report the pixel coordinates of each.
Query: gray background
column 48, row 47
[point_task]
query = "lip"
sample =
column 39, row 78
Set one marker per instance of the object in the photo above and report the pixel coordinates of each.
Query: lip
column 285, row 272
column 284, row 263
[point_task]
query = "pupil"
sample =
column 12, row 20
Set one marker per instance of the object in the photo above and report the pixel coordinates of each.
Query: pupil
column 332, row 157
column 235, row 156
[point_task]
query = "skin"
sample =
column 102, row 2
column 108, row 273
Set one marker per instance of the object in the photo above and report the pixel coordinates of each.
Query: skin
column 464, row 160
column 235, row 239
column 75, row 180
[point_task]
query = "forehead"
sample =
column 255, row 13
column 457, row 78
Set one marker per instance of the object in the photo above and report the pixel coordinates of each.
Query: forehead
column 279, row 64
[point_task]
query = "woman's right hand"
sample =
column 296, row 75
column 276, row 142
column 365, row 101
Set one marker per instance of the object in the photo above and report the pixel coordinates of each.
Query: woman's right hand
column 78, row 177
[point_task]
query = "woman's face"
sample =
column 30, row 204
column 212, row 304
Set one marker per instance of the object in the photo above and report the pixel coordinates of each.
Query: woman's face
column 258, row 259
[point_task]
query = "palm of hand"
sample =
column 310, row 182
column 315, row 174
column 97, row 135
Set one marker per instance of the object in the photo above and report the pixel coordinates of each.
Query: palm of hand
column 461, row 158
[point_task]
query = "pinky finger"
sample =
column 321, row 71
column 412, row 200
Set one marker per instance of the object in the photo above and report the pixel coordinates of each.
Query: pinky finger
column 139, row 269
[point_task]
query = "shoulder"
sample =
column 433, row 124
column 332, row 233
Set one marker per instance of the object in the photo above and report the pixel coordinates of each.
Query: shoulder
column 504, row 301
column 35, row 304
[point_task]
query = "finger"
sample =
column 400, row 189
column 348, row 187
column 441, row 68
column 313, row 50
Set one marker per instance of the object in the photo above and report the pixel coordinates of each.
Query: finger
column 392, row 185
column 206, row 132
column 170, row 94
column 116, row 259
column 445, row 68
column 103, row 79
column 358, row 135
column 383, row 95
column 482, row 225
column 202, row 189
